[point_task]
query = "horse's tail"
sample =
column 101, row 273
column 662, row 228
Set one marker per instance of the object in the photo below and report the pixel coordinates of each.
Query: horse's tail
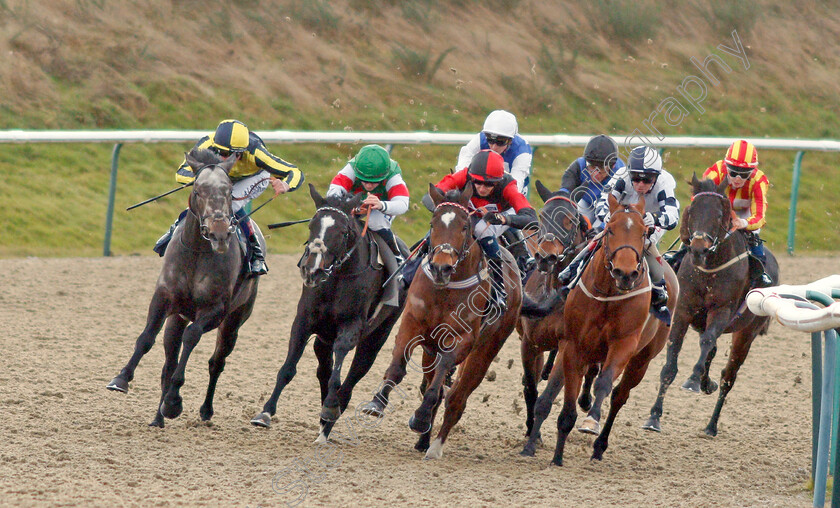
column 534, row 309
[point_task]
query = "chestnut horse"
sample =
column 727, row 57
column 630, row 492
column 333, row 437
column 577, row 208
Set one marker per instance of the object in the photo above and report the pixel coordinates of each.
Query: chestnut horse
column 607, row 321
column 562, row 233
column 202, row 282
column 447, row 314
column 714, row 280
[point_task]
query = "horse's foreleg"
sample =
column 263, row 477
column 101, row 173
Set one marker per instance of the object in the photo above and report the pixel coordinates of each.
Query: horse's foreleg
column 530, row 370
column 154, row 322
column 297, row 343
column 542, row 407
column 741, row 342
column 618, row 355
column 573, row 372
column 171, row 346
column 633, row 374
column 585, row 399
column 172, row 403
column 346, row 340
column 715, row 324
column 707, row 385
column 549, row 364
column 405, row 344
column 225, row 342
column 669, row 370
column 425, row 438
column 421, row 422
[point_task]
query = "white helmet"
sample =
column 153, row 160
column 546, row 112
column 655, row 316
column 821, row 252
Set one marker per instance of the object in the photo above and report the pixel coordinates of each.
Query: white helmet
column 644, row 159
column 501, row 123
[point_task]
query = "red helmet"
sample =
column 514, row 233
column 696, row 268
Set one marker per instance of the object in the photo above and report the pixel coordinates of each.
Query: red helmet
column 487, row 166
column 742, row 154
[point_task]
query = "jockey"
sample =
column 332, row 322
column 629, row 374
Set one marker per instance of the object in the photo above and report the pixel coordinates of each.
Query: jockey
column 587, row 176
column 644, row 178
column 494, row 193
column 501, row 135
column 374, row 172
column 255, row 169
column 747, row 191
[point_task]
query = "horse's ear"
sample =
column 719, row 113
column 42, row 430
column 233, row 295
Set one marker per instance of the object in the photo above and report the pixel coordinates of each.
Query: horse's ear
column 612, row 202
column 227, row 164
column 466, row 195
column 319, row 201
column 435, row 194
column 721, row 189
column 544, row 193
column 355, row 201
column 640, row 206
column 192, row 161
column 695, row 183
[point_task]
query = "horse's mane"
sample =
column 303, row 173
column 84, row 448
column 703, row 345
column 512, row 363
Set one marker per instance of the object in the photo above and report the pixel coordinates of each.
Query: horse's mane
column 706, row 185
column 451, row 196
column 206, row 156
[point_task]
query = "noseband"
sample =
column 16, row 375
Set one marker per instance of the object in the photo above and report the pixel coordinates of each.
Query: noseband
column 337, row 262
column 203, row 228
column 609, row 255
column 714, row 240
column 567, row 240
column 447, row 248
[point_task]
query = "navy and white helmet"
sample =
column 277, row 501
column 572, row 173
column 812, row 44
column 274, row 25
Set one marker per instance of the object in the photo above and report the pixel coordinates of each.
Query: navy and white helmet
column 646, row 160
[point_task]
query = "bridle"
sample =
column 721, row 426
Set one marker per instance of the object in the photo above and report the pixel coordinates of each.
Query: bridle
column 337, row 261
column 203, row 229
column 609, row 255
column 447, row 248
column 566, row 241
column 714, row 240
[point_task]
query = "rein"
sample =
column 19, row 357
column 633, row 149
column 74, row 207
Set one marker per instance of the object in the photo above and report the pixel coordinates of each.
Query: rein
column 447, row 248
column 609, row 255
column 716, row 241
column 203, row 229
column 337, row 262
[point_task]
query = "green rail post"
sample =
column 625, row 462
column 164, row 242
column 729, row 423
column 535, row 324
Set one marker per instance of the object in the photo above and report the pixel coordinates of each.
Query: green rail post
column 112, row 191
column 794, row 195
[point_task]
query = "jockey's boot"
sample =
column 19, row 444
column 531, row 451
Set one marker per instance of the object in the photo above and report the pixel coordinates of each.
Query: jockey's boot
column 519, row 250
column 163, row 241
column 498, row 295
column 569, row 273
column 659, row 302
column 256, row 258
column 409, row 269
column 675, row 257
column 762, row 280
column 391, row 240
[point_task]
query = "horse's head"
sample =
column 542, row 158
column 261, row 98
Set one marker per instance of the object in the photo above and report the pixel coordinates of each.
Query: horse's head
column 707, row 220
column 210, row 201
column 451, row 232
column 333, row 234
column 624, row 242
column 560, row 223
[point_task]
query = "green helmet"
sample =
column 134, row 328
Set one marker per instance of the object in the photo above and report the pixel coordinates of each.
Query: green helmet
column 371, row 164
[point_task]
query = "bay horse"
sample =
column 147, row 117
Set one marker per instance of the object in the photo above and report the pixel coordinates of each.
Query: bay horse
column 607, row 321
column 339, row 304
column 447, row 315
column 202, row 286
column 714, row 280
column 562, row 233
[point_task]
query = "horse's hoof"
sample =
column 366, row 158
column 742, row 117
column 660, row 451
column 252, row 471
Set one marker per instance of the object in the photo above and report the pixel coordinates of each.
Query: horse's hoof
column 418, row 425
column 652, row 424
column 435, row 451
column 171, row 410
column 118, row 384
column 373, row 408
column 556, row 462
column 261, row 420
column 528, row 451
column 157, row 422
column 709, row 387
column 710, row 431
column 205, row 413
column 330, row 414
column 691, row 385
column 590, row 426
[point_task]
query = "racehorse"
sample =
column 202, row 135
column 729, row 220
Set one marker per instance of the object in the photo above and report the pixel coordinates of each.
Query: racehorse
column 562, row 233
column 447, row 315
column 342, row 287
column 607, row 321
column 714, row 280
column 201, row 283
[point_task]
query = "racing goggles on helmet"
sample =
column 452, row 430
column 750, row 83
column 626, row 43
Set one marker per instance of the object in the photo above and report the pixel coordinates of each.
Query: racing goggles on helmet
column 636, row 176
column 493, row 139
column 737, row 171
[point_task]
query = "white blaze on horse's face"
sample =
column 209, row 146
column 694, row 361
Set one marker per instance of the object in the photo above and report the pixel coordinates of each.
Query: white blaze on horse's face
column 326, row 223
column 447, row 218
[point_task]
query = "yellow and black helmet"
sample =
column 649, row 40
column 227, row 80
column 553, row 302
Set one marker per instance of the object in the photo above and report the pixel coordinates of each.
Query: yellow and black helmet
column 231, row 136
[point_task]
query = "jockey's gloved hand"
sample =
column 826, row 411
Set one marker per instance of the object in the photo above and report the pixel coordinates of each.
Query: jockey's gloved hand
column 650, row 220
column 495, row 219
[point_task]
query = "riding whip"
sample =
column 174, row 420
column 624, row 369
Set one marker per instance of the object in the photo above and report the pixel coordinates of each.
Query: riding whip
column 407, row 259
column 287, row 223
column 132, row 207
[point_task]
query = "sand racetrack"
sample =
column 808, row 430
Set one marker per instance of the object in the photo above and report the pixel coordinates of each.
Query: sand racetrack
column 71, row 324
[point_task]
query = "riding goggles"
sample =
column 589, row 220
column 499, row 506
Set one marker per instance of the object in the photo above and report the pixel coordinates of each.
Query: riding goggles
column 735, row 171
column 642, row 177
column 497, row 140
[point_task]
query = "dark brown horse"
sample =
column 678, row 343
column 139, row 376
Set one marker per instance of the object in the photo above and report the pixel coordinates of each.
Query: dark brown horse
column 201, row 284
column 714, row 280
column 562, row 233
column 607, row 321
column 339, row 304
column 446, row 314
